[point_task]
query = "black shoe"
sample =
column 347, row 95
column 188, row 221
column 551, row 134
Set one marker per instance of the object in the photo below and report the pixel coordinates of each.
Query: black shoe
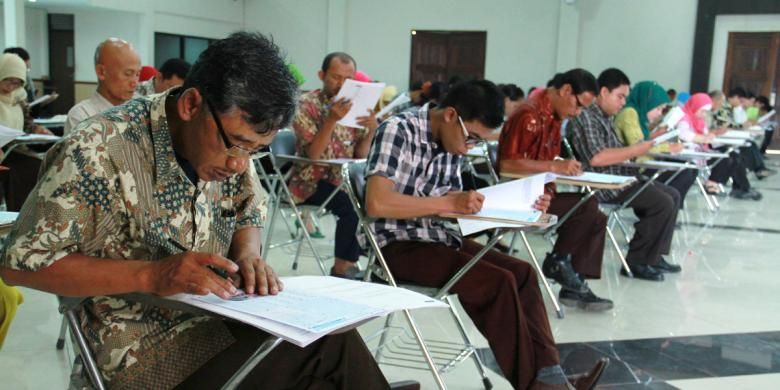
column 643, row 271
column 405, row 385
column 589, row 380
column 587, row 301
column 764, row 173
column 750, row 194
column 353, row 273
column 667, row 267
column 558, row 268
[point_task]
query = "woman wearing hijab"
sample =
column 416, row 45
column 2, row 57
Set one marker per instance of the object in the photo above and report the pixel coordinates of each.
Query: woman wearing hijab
column 693, row 129
column 644, row 109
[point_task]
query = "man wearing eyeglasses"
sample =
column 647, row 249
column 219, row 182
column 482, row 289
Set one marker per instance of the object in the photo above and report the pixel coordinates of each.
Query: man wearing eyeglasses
column 319, row 136
column 150, row 197
column 531, row 143
column 413, row 175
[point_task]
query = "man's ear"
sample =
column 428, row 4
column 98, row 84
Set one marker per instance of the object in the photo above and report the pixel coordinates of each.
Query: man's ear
column 321, row 75
column 100, row 71
column 565, row 90
column 190, row 104
column 450, row 114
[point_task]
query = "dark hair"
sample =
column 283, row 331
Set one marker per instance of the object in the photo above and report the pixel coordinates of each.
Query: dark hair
column 764, row 102
column 343, row 57
column 511, row 91
column 455, row 79
column 738, row 92
column 613, row 78
column 476, row 100
column 750, row 95
column 437, row 91
column 551, row 81
column 579, row 79
column 175, row 67
column 18, row 51
column 247, row 72
column 416, row 86
column 671, row 91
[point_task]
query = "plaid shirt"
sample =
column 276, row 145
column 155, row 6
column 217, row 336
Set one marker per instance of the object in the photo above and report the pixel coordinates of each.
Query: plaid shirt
column 404, row 152
column 591, row 132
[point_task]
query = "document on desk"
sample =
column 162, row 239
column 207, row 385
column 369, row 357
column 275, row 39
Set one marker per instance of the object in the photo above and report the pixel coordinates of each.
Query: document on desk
column 7, row 218
column 363, row 96
column 738, row 134
column 42, row 138
column 509, row 204
column 766, row 116
column 39, row 100
column 600, row 178
column 729, row 141
column 665, row 137
column 57, row 119
column 310, row 307
column 8, row 134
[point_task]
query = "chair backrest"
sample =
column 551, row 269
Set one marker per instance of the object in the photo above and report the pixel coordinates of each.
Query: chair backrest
column 284, row 143
column 357, row 182
column 492, row 152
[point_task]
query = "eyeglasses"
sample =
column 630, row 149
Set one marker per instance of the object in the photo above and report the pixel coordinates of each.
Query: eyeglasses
column 232, row 150
column 471, row 139
column 579, row 103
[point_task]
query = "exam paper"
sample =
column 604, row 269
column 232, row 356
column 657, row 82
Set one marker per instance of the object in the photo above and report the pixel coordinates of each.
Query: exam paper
column 8, row 217
column 666, row 137
column 603, row 178
column 363, row 96
column 766, row 116
column 399, row 100
column 673, row 117
column 737, row 134
column 57, row 119
column 8, row 134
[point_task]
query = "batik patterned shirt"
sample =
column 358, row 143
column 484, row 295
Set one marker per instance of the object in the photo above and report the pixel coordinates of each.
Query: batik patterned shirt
column 145, row 88
column 312, row 110
column 113, row 189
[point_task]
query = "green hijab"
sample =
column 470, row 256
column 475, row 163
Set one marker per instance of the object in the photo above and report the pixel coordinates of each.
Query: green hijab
column 644, row 97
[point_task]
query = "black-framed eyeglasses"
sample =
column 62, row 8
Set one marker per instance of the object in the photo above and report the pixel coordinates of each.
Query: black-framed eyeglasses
column 471, row 139
column 579, row 103
column 232, row 150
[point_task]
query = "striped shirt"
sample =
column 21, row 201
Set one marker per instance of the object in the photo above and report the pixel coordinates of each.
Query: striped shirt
column 405, row 152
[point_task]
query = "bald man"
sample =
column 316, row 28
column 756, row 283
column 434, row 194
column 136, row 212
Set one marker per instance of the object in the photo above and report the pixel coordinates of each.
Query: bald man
column 117, row 66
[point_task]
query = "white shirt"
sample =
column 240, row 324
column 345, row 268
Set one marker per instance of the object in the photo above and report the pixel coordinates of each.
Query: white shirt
column 740, row 115
column 86, row 109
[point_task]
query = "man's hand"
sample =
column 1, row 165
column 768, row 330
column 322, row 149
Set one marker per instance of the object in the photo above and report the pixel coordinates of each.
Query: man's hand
column 543, row 203
column 567, row 167
column 643, row 147
column 38, row 129
column 368, row 121
column 188, row 272
column 719, row 131
column 257, row 277
column 676, row 147
column 658, row 132
column 339, row 109
column 468, row 202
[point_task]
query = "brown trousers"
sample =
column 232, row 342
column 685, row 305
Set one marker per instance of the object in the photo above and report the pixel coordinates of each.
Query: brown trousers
column 339, row 361
column 582, row 235
column 501, row 295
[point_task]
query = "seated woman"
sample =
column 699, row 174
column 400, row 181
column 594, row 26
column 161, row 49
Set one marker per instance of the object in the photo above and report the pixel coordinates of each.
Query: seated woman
column 644, row 108
column 693, row 129
column 14, row 115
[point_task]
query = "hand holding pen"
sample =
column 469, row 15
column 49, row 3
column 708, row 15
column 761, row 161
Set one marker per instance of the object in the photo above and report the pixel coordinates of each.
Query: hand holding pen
column 189, row 272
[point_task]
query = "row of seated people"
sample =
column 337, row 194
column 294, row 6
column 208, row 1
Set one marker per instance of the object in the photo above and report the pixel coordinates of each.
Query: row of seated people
column 127, row 181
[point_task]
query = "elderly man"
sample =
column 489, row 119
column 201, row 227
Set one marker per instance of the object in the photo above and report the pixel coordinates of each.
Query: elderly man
column 171, row 74
column 120, row 198
column 117, row 66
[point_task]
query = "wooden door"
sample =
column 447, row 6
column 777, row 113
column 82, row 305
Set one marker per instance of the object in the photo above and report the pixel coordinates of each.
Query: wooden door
column 439, row 55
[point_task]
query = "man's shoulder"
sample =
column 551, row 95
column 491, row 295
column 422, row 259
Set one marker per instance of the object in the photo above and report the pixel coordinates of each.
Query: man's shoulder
column 113, row 124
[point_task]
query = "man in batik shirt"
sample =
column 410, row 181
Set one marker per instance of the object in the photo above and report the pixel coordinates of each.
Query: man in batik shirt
column 145, row 197
column 531, row 143
column 320, row 137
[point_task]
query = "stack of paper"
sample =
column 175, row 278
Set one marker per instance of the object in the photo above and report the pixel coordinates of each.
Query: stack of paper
column 668, row 136
column 57, row 119
column 363, row 96
column 737, row 134
column 8, row 134
column 601, row 178
column 311, row 307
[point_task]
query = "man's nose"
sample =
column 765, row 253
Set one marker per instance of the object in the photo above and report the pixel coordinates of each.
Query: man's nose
column 237, row 164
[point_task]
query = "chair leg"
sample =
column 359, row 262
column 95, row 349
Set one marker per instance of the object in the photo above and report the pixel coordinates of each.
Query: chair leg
column 383, row 337
column 467, row 339
column 535, row 262
column 265, row 348
column 424, row 348
column 512, row 244
column 619, row 251
column 63, row 329
column 86, row 353
column 704, row 193
column 623, row 227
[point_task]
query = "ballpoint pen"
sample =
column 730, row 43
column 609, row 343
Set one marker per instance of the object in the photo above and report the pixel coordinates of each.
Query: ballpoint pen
column 219, row 271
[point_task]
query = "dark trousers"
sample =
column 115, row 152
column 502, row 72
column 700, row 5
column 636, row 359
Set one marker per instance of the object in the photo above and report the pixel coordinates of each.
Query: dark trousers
column 20, row 180
column 768, row 134
column 347, row 246
column 582, row 235
column 731, row 167
column 656, row 207
column 339, row 361
column 501, row 295
column 682, row 182
column 751, row 157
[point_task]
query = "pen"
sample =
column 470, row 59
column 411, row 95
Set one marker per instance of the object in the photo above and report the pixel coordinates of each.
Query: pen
column 219, row 271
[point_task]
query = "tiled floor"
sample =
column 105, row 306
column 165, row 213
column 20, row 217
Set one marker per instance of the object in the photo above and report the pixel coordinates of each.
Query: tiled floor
column 714, row 326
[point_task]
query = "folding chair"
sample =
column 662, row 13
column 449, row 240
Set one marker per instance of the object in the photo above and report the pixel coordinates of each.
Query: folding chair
column 70, row 308
column 448, row 354
column 279, row 197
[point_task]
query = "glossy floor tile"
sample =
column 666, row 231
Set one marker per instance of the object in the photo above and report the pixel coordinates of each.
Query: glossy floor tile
column 716, row 325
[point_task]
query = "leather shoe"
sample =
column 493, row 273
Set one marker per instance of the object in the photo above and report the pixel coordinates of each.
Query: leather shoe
column 353, row 273
column 643, row 271
column 589, row 380
column 405, row 385
column 666, row 267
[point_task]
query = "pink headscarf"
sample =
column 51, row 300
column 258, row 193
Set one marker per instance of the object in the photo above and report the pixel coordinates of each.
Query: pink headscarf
column 694, row 104
column 361, row 76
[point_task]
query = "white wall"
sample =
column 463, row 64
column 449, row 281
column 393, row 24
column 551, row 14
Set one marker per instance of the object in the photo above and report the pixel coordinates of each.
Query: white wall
column 737, row 23
column 648, row 40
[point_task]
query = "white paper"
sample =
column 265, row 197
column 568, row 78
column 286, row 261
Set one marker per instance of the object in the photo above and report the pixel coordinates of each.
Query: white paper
column 57, row 119
column 399, row 100
column 737, row 134
column 673, row 117
column 39, row 100
column 8, row 134
column 729, row 141
column 600, row 178
column 376, row 298
column 663, row 164
column 512, row 200
column 666, row 137
column 8, row 217
column 38, row 138
column 694, row 153
column 363, row 96
column 766, row 116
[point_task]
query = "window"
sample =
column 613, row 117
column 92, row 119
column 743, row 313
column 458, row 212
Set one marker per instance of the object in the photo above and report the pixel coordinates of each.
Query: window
column 167, row 46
